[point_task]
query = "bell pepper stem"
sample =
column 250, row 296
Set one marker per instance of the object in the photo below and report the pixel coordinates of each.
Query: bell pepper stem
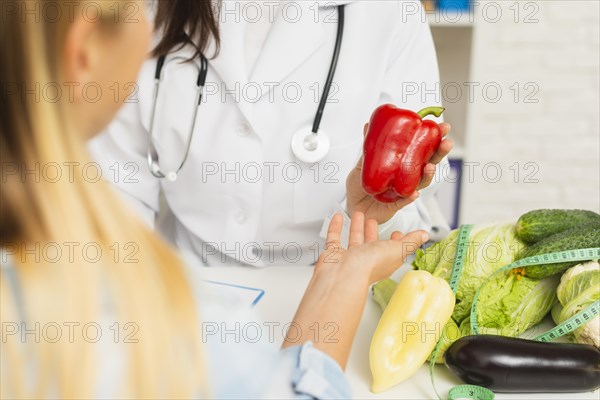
column 437, row 111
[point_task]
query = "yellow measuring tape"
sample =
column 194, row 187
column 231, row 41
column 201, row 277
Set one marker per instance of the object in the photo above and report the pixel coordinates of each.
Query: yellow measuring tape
column 582, row 317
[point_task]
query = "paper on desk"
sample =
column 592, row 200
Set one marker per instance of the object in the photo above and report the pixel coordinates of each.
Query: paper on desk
column 239, row 294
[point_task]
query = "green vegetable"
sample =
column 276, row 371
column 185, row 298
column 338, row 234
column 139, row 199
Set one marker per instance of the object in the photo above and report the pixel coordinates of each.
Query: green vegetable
column 540, row 224
column 450, row 334
column 465, row 327
column 510, row 303
column 579, row 287
column 383, row 291
column 490, row 248
column 579, row 237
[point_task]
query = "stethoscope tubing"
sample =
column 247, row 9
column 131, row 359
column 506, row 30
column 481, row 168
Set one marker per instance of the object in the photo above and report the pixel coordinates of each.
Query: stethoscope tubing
column 331, row 73
column 152, row 153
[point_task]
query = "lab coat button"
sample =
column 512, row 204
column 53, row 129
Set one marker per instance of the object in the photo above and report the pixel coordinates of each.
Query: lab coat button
column 243, row 130
column 240, row 217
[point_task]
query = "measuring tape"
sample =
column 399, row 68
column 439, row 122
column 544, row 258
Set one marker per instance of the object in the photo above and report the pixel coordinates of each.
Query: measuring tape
column 582, row 317
column 470, row 392
column 461, row 253
column 462, row 391
column 550, row 258
column 577, row 320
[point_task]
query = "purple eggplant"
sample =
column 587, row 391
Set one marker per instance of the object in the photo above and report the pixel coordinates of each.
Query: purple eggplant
column 505, row 364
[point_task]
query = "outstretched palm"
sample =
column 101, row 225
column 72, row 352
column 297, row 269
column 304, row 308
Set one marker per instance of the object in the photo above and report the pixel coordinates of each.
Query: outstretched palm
column 367, row 255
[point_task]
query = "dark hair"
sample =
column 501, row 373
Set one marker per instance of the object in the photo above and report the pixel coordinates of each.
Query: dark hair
column 181, row 22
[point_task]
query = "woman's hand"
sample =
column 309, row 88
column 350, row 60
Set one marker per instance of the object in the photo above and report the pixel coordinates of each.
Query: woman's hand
column 358, row 200
column 333, row 302
column 366, row 258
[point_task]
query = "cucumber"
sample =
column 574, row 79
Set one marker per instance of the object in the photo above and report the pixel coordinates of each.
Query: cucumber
column 583, row 236
column 540, row 224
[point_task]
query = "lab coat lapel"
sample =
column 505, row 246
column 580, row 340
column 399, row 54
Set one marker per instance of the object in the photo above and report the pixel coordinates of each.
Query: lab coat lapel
column 229, row 64
column 288, row 44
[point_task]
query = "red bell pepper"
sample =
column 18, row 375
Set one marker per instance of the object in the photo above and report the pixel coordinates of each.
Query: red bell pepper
column 398, row 145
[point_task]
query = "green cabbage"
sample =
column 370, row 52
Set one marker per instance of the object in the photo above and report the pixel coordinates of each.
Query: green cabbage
column 490, row 248
column 579, row 287
column 509, row 303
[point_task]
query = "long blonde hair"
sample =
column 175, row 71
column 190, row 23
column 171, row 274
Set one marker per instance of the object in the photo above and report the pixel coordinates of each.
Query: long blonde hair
column 148, row 292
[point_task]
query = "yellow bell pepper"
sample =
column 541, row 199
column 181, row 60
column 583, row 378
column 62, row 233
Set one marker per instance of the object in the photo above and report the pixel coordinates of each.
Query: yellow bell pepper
column 409, row 328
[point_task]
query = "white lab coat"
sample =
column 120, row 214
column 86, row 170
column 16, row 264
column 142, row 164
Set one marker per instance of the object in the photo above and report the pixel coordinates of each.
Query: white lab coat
column 242, row 197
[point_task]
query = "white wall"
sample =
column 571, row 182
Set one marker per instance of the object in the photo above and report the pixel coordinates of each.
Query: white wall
column 559, row 134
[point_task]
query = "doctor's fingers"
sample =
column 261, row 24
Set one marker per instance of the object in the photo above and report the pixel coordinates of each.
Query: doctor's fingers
column 444, row 149
column 428, row 174
column 446, row 128
column 403, row 202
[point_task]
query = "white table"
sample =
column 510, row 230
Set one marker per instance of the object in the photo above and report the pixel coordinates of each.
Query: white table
column 284, row 287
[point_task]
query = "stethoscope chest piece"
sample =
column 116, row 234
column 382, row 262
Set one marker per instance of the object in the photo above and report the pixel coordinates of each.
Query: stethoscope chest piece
column 171, row 176
column 310, row 147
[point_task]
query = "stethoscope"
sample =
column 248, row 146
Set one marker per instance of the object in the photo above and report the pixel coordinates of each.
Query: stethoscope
column 309, row 145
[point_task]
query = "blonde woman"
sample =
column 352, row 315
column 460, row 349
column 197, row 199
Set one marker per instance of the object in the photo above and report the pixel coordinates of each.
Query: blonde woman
column 116, row 322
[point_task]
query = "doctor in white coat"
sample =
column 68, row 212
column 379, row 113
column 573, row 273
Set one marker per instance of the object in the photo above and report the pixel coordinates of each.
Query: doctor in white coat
column 242, row 196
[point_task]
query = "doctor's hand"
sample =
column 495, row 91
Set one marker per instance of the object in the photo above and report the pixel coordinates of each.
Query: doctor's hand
column 332, row 306
column 358, row 200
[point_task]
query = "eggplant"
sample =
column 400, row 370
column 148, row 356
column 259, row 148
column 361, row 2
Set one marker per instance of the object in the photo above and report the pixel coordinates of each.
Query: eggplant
column 505, row 364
